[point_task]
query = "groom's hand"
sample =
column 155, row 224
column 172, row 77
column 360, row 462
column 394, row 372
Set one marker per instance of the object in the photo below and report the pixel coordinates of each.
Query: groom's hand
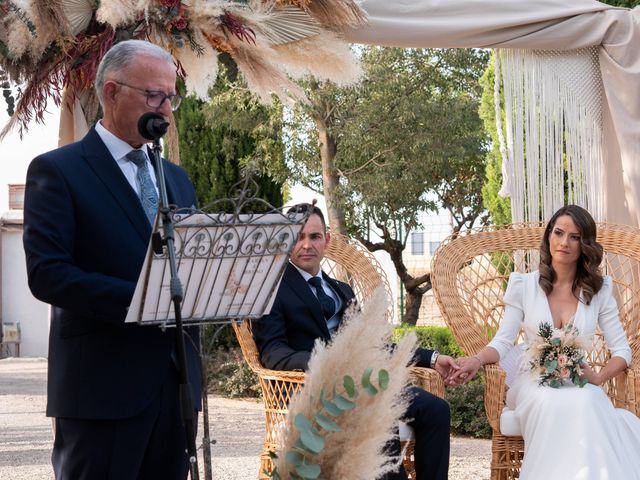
column 467, row 369
column 446, row 366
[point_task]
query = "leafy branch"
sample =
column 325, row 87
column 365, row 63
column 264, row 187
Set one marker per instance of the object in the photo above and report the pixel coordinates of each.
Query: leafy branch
column 311, row 441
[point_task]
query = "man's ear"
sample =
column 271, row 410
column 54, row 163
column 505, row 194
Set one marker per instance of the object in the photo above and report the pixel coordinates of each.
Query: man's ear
column 327, row 238
column 109, row 90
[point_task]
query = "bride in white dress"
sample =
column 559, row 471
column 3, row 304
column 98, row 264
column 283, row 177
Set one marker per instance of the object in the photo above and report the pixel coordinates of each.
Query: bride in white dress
column 570, row 433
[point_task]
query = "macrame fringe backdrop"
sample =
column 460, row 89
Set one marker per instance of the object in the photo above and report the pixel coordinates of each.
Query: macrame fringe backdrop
column 553, row 152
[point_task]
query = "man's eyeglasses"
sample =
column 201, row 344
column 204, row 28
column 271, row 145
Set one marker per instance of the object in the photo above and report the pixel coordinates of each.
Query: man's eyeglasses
column 155, row 98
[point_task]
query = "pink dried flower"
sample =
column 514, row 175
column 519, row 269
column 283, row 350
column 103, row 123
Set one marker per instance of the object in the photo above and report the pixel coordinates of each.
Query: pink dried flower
column 233, row 23
column 170, row 3
column 179, row 23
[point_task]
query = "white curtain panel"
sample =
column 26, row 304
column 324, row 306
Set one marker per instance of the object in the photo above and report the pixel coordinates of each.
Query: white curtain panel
column 542, row 25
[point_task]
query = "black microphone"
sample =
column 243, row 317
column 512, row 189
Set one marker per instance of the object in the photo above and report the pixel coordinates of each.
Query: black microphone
column 152, row 126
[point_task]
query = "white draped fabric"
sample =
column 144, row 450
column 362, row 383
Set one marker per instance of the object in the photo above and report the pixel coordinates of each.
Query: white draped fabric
column 539, row 25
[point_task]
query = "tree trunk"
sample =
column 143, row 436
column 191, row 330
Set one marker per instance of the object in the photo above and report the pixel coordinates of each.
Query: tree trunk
column 415, row 287
column 330, row 179
column 413, row 301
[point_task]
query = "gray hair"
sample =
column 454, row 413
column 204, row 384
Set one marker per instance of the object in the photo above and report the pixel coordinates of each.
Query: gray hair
column 122, row 55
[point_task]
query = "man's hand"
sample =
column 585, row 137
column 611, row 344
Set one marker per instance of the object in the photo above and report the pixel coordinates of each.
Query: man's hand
column 467, row 369
column 446, row 366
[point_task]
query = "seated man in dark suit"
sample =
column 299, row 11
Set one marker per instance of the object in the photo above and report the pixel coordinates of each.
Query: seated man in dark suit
column 309, row 305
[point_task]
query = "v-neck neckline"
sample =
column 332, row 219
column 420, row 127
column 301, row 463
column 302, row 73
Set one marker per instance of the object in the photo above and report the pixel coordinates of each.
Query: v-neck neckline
column 572, row 319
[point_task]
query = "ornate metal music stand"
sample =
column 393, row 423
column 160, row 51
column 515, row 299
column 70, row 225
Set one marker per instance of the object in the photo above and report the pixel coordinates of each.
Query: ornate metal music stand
column 217, row 267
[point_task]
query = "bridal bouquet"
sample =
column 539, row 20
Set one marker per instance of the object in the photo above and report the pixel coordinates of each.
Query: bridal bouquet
column 555, row 356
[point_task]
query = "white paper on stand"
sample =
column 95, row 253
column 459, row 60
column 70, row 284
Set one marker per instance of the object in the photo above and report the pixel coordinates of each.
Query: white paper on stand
column 227, row 270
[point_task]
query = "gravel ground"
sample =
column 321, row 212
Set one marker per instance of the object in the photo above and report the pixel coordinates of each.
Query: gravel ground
column 236, row 425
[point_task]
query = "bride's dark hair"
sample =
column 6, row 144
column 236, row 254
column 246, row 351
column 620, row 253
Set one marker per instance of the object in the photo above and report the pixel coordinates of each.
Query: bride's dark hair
column 588, row 276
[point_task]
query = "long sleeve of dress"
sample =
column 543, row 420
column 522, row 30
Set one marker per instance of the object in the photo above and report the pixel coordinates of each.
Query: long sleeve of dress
column 610, row 324
column 513, row 315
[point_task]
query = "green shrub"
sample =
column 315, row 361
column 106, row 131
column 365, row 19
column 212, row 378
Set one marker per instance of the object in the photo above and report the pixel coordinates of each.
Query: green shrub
column 433, row 338
column 230, row 376
column 467, row 409
column 239, row 381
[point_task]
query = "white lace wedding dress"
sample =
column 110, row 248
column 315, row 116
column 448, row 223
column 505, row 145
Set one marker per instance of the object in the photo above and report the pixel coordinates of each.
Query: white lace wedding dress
column 570, row 433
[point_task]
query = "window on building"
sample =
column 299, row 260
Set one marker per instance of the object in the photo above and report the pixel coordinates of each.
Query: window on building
column 16, row 197
column 433, row 246
column 417, row 243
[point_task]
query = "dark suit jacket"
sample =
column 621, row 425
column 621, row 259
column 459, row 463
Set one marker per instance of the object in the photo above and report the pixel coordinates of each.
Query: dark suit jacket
column 286, row 336
column 85, row 238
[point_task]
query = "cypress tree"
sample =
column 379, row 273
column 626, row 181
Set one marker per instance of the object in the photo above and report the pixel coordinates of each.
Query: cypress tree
column 219, row 138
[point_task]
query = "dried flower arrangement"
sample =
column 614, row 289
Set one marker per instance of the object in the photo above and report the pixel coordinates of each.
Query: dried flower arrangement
column 337, row 428
column 556, row 354
column 50, row 45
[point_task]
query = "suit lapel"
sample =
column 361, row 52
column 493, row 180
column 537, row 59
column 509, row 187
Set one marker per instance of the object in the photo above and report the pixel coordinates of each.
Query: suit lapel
column 345, row 295
column 297, row 284
column 337, row 287
column 106, row 169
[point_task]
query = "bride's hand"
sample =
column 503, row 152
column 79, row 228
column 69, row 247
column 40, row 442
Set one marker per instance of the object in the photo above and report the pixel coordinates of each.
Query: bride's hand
column 590, row 375
column 469, row 366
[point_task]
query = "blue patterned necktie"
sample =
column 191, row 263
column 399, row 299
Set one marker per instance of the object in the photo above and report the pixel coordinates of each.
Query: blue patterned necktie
column 148, row 193
column 326, row 302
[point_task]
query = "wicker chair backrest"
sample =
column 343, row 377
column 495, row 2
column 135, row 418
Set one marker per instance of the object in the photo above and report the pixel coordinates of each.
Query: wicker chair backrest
column 470, row 273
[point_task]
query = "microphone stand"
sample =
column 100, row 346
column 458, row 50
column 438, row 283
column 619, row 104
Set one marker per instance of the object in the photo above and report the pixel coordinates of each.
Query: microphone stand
column 186, row 402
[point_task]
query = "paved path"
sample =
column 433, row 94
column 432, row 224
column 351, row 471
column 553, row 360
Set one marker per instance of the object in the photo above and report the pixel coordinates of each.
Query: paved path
column 237, row 426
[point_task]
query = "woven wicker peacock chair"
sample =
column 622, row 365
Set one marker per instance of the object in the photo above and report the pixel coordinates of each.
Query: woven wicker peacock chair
column 469, row 275
column 347, row 260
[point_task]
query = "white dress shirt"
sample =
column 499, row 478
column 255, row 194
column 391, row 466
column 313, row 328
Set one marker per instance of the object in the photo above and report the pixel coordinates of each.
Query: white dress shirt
column 119, row 149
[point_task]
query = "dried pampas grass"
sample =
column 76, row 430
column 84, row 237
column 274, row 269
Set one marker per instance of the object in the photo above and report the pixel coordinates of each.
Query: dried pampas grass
column 261, row 75
column 26, row 33
column 19, row 39
column 118, row 13
column 202, row 12
column 53, row 14
column 323, row 56
column 52, row 28
column 201, row 69
column 357, row 451
column 336, row 14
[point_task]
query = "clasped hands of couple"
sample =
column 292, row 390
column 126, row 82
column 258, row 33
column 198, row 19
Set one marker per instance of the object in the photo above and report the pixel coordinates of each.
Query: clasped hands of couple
column 461, row 370
column 457, row 371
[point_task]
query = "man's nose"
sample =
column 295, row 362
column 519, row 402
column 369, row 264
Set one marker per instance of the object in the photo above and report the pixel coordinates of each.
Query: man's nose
column 305, row 243
column 165, row 108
